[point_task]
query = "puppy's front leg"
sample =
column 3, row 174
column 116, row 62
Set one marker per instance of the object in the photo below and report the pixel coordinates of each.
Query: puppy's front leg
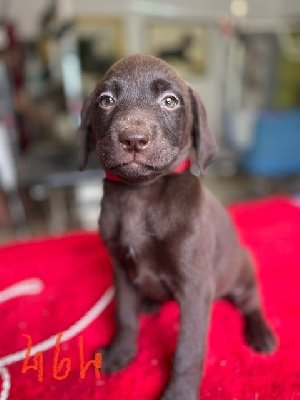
column 123, row 347
column 195, row 303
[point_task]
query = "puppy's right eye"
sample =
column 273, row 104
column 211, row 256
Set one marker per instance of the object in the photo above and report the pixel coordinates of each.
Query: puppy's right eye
column 106, row 101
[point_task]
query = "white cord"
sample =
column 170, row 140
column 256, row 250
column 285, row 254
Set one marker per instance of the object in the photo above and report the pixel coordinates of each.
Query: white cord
column 80, row 325
column 5, row 383
column 26, row 287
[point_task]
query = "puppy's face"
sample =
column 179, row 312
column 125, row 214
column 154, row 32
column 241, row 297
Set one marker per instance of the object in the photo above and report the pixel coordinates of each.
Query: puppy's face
column 141, row 119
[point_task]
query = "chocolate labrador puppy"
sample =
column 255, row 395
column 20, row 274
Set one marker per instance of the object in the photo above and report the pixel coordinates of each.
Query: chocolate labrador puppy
column 168, row 237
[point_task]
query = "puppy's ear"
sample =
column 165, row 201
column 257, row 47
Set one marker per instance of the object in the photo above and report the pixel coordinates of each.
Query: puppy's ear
column 203, row 141
column 86, row 137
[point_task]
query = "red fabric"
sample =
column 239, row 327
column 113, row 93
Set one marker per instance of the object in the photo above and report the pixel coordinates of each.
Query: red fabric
column 76, row 270
column 181, row 167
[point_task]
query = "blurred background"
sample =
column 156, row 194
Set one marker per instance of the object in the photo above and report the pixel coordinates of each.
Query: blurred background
column 243, row 57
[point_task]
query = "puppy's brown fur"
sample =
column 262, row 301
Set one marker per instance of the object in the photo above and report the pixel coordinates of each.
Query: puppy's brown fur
column 168, row 237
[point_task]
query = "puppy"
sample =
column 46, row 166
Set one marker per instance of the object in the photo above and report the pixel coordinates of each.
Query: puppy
column 167, row 236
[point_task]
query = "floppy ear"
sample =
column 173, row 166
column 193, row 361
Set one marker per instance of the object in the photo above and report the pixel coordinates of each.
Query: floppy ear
column 86, row 137
column 203, row 141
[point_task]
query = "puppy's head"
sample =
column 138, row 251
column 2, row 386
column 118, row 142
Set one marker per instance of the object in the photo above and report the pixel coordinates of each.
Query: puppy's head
column 143, row 120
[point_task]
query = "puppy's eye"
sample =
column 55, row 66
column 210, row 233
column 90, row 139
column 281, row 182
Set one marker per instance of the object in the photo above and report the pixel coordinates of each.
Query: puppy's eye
column 106, row 101
column 170, row 101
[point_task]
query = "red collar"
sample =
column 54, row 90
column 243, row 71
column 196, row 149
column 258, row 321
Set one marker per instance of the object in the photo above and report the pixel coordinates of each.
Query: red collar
column 181, row 167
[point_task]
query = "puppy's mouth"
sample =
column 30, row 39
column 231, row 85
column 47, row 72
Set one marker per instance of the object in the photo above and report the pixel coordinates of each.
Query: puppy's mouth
column 135, row 171
column 136, row 165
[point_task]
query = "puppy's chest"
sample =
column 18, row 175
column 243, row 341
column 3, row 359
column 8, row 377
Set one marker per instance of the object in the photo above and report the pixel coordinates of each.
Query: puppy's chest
column 139, row 250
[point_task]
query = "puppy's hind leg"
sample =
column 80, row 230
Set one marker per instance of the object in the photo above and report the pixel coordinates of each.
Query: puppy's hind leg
column 245, row 296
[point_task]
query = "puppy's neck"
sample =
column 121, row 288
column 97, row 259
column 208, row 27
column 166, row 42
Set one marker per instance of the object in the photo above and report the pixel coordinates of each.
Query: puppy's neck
column 185, row 165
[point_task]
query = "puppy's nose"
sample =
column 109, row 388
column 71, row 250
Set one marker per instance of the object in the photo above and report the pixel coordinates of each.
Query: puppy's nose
column 134, row 141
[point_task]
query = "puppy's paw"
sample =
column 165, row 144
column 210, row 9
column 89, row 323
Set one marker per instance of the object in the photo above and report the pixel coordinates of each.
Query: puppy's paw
column 116, row 356
column 179, row 392
column 258, row 335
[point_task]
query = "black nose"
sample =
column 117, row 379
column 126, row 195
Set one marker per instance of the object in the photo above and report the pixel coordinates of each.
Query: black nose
column 134, row 141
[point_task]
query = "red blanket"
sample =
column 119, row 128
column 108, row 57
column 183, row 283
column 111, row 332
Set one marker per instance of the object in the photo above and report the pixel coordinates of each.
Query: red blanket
column 56, row 285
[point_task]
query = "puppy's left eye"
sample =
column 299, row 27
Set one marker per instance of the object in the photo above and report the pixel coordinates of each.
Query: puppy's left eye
column 106, row 101
column 169, row 101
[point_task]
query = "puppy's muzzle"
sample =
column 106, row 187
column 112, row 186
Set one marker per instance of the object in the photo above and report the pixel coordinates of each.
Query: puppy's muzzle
column 134, row 142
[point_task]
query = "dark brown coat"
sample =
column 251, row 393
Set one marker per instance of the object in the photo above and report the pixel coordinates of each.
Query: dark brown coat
column 168, row 237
